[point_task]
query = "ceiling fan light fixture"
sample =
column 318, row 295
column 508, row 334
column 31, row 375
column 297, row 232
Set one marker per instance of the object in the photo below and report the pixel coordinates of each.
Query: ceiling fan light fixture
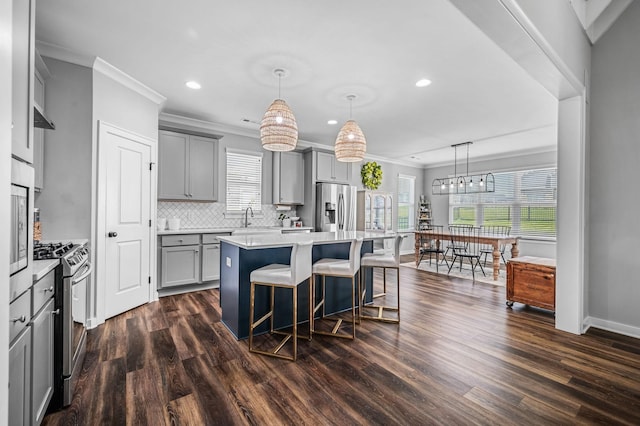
column 351, row 144
column 278, row 128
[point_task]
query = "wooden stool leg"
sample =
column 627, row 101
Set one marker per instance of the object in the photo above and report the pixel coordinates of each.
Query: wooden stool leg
column 251, row 308
column 295, row 322
column 398, row 291
column 353, row 306
column 312, row 301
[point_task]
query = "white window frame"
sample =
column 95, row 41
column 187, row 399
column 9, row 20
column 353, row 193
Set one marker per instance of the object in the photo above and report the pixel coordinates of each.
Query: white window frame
column 411, row 204
column 256, row 203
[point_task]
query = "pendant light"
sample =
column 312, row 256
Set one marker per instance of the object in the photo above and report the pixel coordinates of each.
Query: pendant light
column 278, row 129
column 350, row 144
column 463, row 184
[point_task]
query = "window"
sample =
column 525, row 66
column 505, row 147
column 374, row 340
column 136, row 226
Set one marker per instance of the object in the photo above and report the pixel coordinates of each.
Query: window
column 406, row 202
column 525, row 200
column 244, row 180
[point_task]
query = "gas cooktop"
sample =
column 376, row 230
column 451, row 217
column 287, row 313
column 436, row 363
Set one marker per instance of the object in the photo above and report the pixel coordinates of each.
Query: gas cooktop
column 50, row 250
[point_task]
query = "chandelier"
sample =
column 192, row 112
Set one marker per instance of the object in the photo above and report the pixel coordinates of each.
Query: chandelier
column 463, row 184
column 278, row 129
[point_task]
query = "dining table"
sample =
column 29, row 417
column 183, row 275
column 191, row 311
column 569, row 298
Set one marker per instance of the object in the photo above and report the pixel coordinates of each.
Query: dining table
column 490, row 239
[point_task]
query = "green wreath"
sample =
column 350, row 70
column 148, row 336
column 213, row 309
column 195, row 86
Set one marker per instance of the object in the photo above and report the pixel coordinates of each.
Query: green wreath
column 371, row 173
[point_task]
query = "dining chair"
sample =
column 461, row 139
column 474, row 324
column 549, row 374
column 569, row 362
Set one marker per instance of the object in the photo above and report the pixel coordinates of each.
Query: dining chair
column 459, row 245
column 494, row 231
column 384, row 261
column 281, row 276
column 471, row 250
column 340, row 268
column 433, row 244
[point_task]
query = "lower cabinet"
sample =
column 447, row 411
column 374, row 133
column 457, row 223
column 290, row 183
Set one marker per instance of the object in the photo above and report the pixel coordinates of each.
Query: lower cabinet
column 42, row 367
column 189, row 259
column 20, row 379
column 180, row 265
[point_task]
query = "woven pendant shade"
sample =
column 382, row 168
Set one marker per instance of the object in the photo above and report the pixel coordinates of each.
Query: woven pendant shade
column 278, row 129
column 350, row 143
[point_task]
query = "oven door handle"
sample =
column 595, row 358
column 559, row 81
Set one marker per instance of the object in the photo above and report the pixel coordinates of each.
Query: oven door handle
column 88, row 270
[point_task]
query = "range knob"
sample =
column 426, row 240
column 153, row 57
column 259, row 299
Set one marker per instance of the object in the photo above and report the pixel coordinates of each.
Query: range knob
column 71, row 261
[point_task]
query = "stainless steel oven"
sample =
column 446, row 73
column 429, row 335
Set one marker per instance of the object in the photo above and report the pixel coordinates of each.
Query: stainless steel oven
column 71, row 301
column 21, row 228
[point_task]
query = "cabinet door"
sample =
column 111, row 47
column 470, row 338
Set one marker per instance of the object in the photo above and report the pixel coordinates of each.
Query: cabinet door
column 367, row 211
column 378, row 212
column 180, row 265
column 172, row 165
column 42, row 367
column 291, row 182
column 324, row 166
column 20, row 380
column 202, row 168
column 341, row 171
column 210, row 262
column 388, row 213
column 22, row 82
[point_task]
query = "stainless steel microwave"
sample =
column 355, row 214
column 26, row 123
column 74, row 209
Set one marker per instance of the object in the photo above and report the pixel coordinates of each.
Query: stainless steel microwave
column 21, row 228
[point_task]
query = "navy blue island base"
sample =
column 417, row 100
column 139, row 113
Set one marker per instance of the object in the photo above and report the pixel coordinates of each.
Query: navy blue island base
column 236, row 266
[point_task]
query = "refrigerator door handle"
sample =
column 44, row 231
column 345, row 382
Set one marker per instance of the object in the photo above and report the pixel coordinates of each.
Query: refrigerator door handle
column 340, row 212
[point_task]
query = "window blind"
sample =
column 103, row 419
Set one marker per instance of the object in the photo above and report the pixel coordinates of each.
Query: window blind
column 526, row 200
column 244, row 181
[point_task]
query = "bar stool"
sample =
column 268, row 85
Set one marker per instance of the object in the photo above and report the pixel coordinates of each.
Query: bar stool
column 345, row 268
column 384, row 261
column 282, row 276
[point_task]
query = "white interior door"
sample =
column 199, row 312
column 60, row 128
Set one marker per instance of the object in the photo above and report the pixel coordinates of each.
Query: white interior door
column 127, row 229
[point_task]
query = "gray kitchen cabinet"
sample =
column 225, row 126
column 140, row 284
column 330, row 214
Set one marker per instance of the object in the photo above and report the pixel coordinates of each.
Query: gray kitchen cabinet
column 180, row 265
column 42, row 362
column 288, row 178
column 20, row 380
column 210, row 262
column 328, row 169
column 22, row 81
column 189, row 258
column 187, row 167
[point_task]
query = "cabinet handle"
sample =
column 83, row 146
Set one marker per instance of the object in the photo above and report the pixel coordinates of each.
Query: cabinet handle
column 196, row 251
column 48, row 289
column 180, row 240
column 56, row 312
column 20, row 319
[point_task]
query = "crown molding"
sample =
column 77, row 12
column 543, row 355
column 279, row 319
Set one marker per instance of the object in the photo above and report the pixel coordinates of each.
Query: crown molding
column 127, row 81
column 98, row 64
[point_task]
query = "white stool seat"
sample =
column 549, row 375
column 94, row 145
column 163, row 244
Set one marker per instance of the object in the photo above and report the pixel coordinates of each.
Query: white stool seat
column 334, row 267
column 274, row 274
column 379, row 260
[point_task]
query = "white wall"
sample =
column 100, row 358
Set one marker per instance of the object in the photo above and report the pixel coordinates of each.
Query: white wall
column 615, row 154
column 65, row 200
column 5, row 178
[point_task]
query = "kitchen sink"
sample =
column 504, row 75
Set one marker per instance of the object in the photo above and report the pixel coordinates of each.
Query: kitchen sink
column 256, row 230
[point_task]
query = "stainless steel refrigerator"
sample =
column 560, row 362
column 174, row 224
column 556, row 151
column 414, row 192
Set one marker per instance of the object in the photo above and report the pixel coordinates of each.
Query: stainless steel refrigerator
column 335, row 207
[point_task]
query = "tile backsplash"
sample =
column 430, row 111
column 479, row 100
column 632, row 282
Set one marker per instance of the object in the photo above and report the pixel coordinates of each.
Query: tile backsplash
column 212, row 215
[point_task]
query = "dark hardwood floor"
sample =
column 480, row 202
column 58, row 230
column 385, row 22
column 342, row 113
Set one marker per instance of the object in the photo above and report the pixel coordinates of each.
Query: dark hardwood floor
column 459, row 356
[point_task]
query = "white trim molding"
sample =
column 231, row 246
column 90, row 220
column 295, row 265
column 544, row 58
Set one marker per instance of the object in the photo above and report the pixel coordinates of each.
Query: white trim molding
column 614, row 327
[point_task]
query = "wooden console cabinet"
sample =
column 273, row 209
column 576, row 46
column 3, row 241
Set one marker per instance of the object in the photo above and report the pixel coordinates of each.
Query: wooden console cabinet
column 532, row 281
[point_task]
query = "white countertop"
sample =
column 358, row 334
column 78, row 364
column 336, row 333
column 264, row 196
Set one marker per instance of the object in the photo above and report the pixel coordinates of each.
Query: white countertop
column 266, row 240
column 228, row 230
column 43, row 267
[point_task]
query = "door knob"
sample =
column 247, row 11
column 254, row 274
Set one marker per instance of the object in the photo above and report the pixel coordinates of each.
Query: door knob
column 112, row 234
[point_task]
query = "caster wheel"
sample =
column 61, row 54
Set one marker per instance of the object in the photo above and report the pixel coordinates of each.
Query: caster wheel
column 509, row 303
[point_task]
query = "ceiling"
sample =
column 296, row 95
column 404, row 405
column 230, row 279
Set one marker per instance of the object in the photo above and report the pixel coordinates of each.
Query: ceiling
column 330, row 49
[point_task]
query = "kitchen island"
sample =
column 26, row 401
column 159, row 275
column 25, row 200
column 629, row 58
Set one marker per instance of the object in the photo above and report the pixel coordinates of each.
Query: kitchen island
column 241, row 254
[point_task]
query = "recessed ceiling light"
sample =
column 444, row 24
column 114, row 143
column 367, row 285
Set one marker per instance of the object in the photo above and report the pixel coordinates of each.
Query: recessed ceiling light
column 423, row 82
column 332, row 122
column 193, row 85
column 413, row 157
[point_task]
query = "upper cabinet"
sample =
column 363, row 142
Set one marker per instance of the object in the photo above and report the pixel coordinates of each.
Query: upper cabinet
column 288, row 178
column 22, row 80
column 328, row 169
column 187, row 167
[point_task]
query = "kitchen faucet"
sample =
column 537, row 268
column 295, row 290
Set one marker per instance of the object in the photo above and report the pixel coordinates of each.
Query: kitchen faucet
column 246, row 220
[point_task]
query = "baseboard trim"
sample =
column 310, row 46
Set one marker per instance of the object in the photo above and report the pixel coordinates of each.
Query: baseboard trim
column 615, row 327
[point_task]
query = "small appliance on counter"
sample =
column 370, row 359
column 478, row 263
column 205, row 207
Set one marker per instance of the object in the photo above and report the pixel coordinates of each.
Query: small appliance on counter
column 37, row 231
column 174, row 224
